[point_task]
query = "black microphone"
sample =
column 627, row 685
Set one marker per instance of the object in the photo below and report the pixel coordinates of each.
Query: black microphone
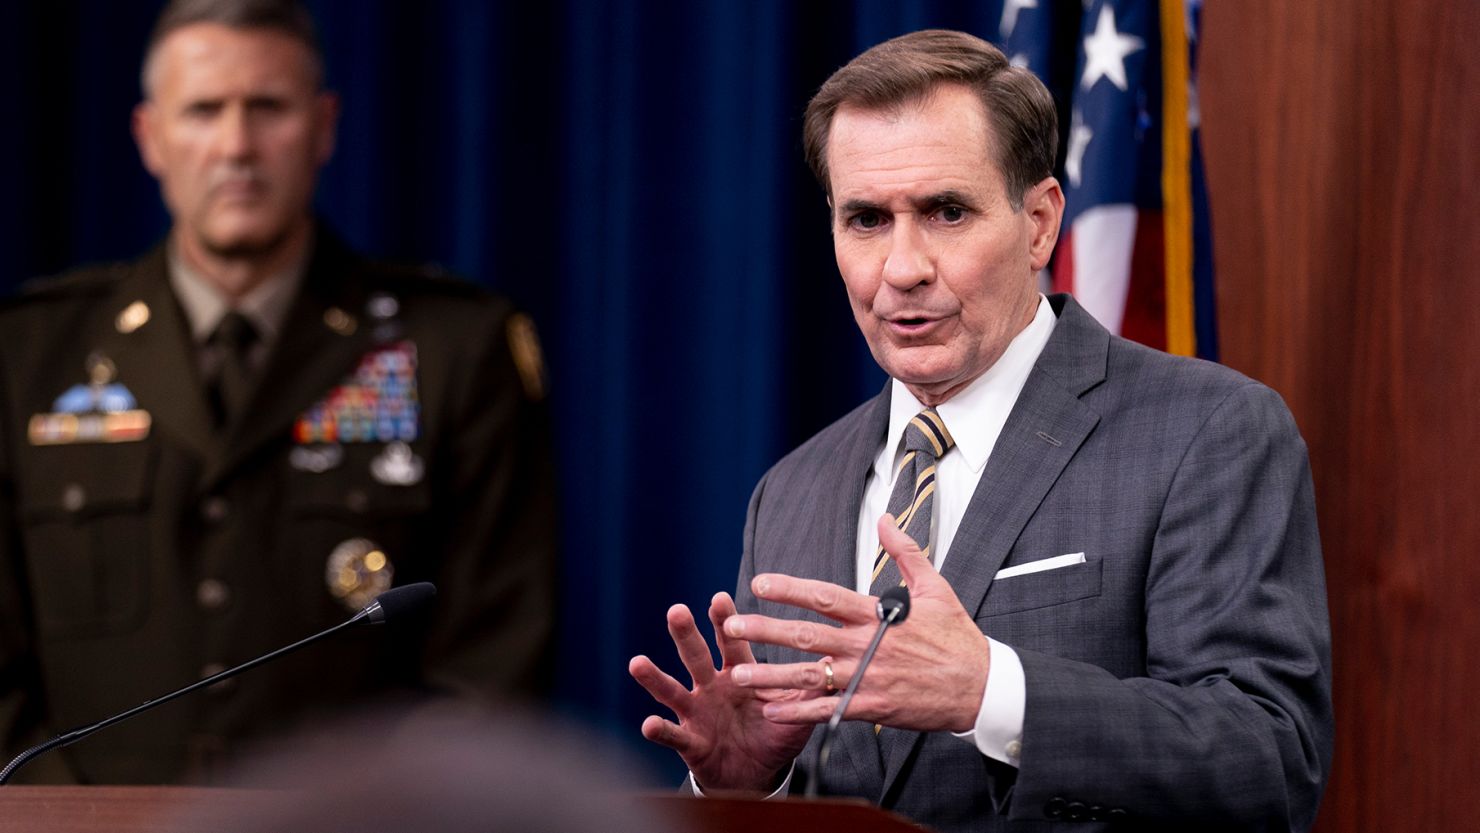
column 392, row 605
column 893, row 607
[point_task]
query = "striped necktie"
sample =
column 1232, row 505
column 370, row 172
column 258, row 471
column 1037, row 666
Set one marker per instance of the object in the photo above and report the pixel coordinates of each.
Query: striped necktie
column 912, row 503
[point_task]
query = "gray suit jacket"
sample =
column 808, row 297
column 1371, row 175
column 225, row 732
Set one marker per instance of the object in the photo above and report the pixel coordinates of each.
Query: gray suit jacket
column 1181, row 674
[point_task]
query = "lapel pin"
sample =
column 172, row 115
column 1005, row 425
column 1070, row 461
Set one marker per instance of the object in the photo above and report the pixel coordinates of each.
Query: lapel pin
column 340, row 321
column 383, row 306
column 133, row 317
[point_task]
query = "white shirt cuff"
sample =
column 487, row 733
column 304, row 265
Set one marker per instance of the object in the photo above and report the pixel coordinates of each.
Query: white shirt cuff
column 999, row 725
column 781, row 791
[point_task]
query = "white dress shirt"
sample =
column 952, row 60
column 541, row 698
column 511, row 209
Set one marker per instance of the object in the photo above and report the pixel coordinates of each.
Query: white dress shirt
column 974, row 417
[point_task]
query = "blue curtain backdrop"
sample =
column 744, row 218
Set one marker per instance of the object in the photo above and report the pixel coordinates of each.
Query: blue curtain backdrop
column 630, row 173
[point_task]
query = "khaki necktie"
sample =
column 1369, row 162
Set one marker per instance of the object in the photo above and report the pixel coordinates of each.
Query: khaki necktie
column 912, row 503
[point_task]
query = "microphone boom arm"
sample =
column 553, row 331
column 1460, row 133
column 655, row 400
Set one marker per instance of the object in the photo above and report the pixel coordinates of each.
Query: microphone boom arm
column 398, row 600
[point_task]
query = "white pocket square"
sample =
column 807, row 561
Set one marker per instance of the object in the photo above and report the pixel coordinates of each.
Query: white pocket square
column 1040, row 565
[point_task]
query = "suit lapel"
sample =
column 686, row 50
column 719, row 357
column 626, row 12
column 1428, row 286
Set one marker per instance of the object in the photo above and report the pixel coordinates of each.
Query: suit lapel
column 848, row 481
column 855, row 741
column 290, row 383
column 1046, row 428
column 156, row 360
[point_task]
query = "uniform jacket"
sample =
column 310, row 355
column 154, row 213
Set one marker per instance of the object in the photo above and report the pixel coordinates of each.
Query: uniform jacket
column 130, row 568
column 1179, row 677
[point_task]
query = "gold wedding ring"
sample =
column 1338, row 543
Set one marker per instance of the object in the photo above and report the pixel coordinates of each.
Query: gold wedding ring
column 828, row 674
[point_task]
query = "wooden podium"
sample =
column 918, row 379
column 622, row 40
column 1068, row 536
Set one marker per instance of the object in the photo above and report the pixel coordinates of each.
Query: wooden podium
column 145, row 809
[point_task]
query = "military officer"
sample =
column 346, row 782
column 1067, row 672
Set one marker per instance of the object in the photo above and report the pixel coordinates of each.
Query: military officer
column 246, row 435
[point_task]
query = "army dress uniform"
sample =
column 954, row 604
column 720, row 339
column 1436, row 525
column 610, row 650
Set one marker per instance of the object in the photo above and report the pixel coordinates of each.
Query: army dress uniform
column 395, row 433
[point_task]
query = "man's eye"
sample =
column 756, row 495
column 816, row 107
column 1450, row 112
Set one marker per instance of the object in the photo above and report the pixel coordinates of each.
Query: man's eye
column 202, row 109
column 867, row 220
column 267, row 105
column 952, row 213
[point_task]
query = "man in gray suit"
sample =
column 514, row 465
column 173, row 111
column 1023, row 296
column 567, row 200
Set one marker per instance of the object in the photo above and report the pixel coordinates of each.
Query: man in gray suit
column 1118, row 604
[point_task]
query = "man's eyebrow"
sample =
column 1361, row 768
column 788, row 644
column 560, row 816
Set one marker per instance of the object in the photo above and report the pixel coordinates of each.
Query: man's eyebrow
column 855, row 206
column 941, row 199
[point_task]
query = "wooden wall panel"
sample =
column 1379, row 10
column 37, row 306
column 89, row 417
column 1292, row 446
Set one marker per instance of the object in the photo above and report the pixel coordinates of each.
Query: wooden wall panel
column 1343, row 152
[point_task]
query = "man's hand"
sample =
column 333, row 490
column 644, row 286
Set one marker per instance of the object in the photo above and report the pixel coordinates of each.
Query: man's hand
column 929, row 673
column 721, row 733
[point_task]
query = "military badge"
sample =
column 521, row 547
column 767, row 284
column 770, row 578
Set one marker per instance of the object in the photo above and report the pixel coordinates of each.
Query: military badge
column 376, row 403
column 357, row 572
column 316, row 457
column 398, row 465
column 101, row 411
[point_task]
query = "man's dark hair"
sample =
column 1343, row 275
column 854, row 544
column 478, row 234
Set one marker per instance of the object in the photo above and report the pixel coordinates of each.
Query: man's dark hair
column 903, row 70
column 286, row 16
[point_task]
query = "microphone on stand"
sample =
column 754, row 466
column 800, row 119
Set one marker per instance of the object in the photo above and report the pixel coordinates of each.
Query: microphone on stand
column 893, row 607
column 390, row 606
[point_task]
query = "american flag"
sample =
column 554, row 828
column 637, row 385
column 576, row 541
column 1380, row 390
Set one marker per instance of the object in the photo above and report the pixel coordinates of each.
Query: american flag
column 1136, row 249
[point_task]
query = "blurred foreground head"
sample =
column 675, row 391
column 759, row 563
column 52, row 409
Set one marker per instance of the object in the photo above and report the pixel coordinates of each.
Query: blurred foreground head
column 442, row 774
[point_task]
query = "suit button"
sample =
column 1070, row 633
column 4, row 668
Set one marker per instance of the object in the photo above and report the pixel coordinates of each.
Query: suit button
column 1117, row 814
column 211, row 669
column 1075, row 811
column 211, row 594
column 1096, row 813
column 74, row 497
column 214, row 509
column 1054, row 808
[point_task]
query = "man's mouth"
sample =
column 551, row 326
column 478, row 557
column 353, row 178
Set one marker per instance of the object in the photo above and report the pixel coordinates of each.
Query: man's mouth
column 239, row 189
column 912, row 325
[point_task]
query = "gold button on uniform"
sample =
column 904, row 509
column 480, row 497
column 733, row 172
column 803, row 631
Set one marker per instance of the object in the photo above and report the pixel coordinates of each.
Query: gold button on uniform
column 212, row 594
column 215, row 509
column 74, row 497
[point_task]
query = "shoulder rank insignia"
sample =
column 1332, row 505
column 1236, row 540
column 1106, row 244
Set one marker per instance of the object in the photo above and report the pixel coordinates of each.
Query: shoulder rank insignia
column 101, row 411
column 376, row 403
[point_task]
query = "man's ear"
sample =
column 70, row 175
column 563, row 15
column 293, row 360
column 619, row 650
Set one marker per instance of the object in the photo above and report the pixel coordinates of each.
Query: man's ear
column 1043, row 206
column 327, row 117
column 146, row 136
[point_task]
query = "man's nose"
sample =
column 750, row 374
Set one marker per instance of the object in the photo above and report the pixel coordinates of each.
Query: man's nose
column 909, row 263
column 235, row 139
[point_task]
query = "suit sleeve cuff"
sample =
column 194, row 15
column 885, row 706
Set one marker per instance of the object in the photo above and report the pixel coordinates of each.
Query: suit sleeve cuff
column 999, row 724
column 781, row 791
